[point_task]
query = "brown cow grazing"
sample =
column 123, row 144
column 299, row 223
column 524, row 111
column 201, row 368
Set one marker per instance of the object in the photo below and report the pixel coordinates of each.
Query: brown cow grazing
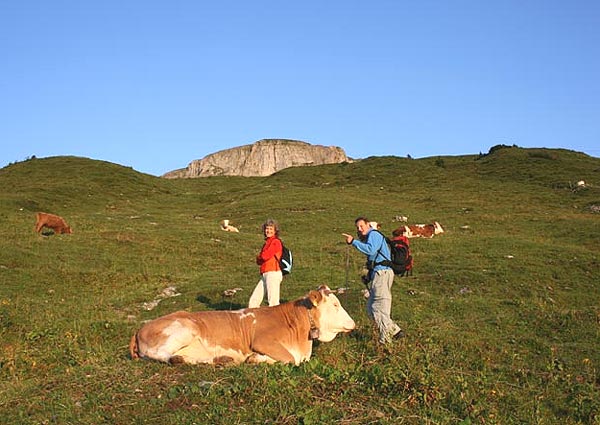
column 51, row 221
column 420, row 230
column 281, row 333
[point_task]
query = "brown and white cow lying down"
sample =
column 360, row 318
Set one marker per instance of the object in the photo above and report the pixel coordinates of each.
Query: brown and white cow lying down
column 282, row 333
column 419, row 230
column 51, row 221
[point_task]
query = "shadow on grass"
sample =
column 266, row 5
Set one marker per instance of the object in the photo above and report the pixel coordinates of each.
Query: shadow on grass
column 224, row 303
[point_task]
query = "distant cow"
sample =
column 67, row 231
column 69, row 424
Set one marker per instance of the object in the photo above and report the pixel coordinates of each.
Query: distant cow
column 228, row 228
column 51, row 221
column 281, row 333
column 420, row 230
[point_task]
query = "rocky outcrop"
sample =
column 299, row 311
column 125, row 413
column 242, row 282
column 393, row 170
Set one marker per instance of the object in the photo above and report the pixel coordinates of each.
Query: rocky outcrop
column 261, row 158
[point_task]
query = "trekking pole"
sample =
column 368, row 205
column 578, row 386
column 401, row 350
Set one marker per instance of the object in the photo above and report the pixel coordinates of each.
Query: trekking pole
column 347, row 264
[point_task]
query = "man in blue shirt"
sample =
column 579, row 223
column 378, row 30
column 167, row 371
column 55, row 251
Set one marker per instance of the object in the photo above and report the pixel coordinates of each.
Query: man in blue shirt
column 379, row 305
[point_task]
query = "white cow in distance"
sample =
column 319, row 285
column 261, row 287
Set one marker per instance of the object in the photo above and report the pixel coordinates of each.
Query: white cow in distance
column 227, row 227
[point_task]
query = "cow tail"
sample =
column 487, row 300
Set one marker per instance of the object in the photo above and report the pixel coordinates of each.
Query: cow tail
column 133, row 347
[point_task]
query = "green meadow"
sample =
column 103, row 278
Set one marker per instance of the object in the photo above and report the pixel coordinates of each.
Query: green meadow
column 502, row 313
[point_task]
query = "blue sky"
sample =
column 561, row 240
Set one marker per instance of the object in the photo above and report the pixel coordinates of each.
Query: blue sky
column 154, row 85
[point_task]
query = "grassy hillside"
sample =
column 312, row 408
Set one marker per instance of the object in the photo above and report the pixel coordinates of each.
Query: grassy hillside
column 502, row 313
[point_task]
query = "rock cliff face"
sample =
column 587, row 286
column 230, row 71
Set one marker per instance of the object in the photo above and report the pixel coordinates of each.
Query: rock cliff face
column 261, row 158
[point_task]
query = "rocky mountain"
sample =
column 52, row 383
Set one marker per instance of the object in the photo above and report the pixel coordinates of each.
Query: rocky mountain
column 261, row 158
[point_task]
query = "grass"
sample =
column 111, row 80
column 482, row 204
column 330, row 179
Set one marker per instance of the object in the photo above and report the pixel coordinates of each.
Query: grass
column 502, row 312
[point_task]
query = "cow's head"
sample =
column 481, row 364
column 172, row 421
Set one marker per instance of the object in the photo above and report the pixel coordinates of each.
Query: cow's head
column 437, row 228
column 331, row 317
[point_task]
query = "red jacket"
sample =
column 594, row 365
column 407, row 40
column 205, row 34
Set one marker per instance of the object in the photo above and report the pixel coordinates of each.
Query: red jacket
column 269, row 256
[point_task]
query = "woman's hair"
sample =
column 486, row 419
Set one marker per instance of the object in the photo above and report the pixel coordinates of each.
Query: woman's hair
column 271, row 222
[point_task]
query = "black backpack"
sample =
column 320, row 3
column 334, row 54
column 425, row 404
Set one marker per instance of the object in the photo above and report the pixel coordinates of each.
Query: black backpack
column 286, row 260
column 401, row 262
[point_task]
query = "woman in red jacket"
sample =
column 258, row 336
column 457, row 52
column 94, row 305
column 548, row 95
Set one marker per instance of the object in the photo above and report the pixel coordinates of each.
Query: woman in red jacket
column 270, row 272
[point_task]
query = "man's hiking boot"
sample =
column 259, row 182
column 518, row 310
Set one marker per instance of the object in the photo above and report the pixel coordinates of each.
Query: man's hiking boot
column 399, row 335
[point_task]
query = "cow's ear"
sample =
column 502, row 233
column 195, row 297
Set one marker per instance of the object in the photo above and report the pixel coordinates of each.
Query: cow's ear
column 315, row 297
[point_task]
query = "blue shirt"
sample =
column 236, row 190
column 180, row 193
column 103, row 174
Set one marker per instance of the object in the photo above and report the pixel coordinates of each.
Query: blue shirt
column 375, row 248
